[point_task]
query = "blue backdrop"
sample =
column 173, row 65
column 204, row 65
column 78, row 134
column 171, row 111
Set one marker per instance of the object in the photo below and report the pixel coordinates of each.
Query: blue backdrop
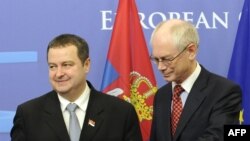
column 26, row 27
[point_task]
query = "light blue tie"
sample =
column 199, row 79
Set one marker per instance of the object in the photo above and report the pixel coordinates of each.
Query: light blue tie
column 74, row 126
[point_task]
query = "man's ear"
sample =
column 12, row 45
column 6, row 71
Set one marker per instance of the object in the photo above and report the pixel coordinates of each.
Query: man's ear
column 192, row 50
column 87, row 65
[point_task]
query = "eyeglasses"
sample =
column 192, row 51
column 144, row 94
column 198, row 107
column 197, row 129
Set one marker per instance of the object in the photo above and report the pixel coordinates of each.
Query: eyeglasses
column 165, row 60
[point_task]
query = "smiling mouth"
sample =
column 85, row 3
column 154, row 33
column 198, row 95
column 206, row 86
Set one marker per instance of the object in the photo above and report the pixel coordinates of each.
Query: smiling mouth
column 166, row 74
column 61, row 82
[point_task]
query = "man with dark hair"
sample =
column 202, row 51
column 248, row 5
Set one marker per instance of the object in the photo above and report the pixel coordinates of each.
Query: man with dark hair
column 74, row 110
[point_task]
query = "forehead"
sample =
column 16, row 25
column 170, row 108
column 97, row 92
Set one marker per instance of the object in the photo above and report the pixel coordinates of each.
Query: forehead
column 62, row 53
column 163, row 46
column 63, row 48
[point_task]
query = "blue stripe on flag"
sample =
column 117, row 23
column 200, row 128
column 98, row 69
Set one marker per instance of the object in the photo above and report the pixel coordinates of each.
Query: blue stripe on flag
column 109, row 76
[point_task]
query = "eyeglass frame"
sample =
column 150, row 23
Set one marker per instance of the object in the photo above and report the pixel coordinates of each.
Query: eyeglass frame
column 165, row 60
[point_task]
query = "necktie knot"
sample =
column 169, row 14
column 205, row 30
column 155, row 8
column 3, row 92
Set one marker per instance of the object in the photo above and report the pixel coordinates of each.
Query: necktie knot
column 71, row 107
column 178, row 90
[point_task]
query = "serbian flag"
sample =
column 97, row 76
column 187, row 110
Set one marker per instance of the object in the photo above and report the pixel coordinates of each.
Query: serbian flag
column 239, row 69
column 128, row 71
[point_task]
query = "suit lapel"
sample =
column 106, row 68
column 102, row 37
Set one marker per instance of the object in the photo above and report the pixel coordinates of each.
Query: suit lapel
column 193, row 101
column 165, row 111
column 53, row 116
column 93, row 118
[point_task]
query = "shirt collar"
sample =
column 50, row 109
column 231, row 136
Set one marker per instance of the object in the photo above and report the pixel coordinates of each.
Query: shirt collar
column 189, row 82
column 82, row 101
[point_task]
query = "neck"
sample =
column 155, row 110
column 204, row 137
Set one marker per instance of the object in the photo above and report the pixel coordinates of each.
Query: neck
column 74, row 94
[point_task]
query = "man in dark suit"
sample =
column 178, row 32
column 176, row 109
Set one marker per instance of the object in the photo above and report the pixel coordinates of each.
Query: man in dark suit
column 100, row 117
column 195, row 104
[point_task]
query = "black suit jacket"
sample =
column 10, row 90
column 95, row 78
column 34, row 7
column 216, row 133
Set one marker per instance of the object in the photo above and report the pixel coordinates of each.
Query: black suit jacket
column 41, row 119
column 212, row 102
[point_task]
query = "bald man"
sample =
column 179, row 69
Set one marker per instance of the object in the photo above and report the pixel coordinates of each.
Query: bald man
column 195, row 104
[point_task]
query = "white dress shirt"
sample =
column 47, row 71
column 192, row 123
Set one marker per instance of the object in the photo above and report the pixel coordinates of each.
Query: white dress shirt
column 82, row 103
column 188, row 84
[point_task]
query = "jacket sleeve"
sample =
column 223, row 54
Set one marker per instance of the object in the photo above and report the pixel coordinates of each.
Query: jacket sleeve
column 226, row 111
column 18, row 130
column 133, row 132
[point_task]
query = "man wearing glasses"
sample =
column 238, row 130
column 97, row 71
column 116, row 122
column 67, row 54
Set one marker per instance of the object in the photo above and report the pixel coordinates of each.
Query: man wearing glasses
column 195, row 104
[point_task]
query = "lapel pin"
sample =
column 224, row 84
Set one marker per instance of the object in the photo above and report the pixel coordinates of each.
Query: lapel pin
column 91, row 123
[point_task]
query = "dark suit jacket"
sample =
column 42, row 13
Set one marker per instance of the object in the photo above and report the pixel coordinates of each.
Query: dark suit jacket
column 41, row 119
column 212, row 102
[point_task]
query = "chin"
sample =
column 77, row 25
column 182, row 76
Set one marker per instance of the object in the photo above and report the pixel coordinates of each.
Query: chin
column 61, row 90
column 167, row 78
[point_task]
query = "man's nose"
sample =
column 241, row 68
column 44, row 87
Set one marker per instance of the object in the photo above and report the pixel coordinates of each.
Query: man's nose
column 161, row 65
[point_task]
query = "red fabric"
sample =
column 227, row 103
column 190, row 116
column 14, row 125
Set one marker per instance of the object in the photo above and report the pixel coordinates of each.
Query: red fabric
column 128, row 56
column 177, row 107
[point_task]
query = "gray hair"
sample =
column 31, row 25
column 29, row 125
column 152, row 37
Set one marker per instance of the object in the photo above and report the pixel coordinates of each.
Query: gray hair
column 183, row 33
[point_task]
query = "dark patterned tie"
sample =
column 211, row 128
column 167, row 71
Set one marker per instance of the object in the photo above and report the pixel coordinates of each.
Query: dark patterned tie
column 177, row 107
column 74, row 126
